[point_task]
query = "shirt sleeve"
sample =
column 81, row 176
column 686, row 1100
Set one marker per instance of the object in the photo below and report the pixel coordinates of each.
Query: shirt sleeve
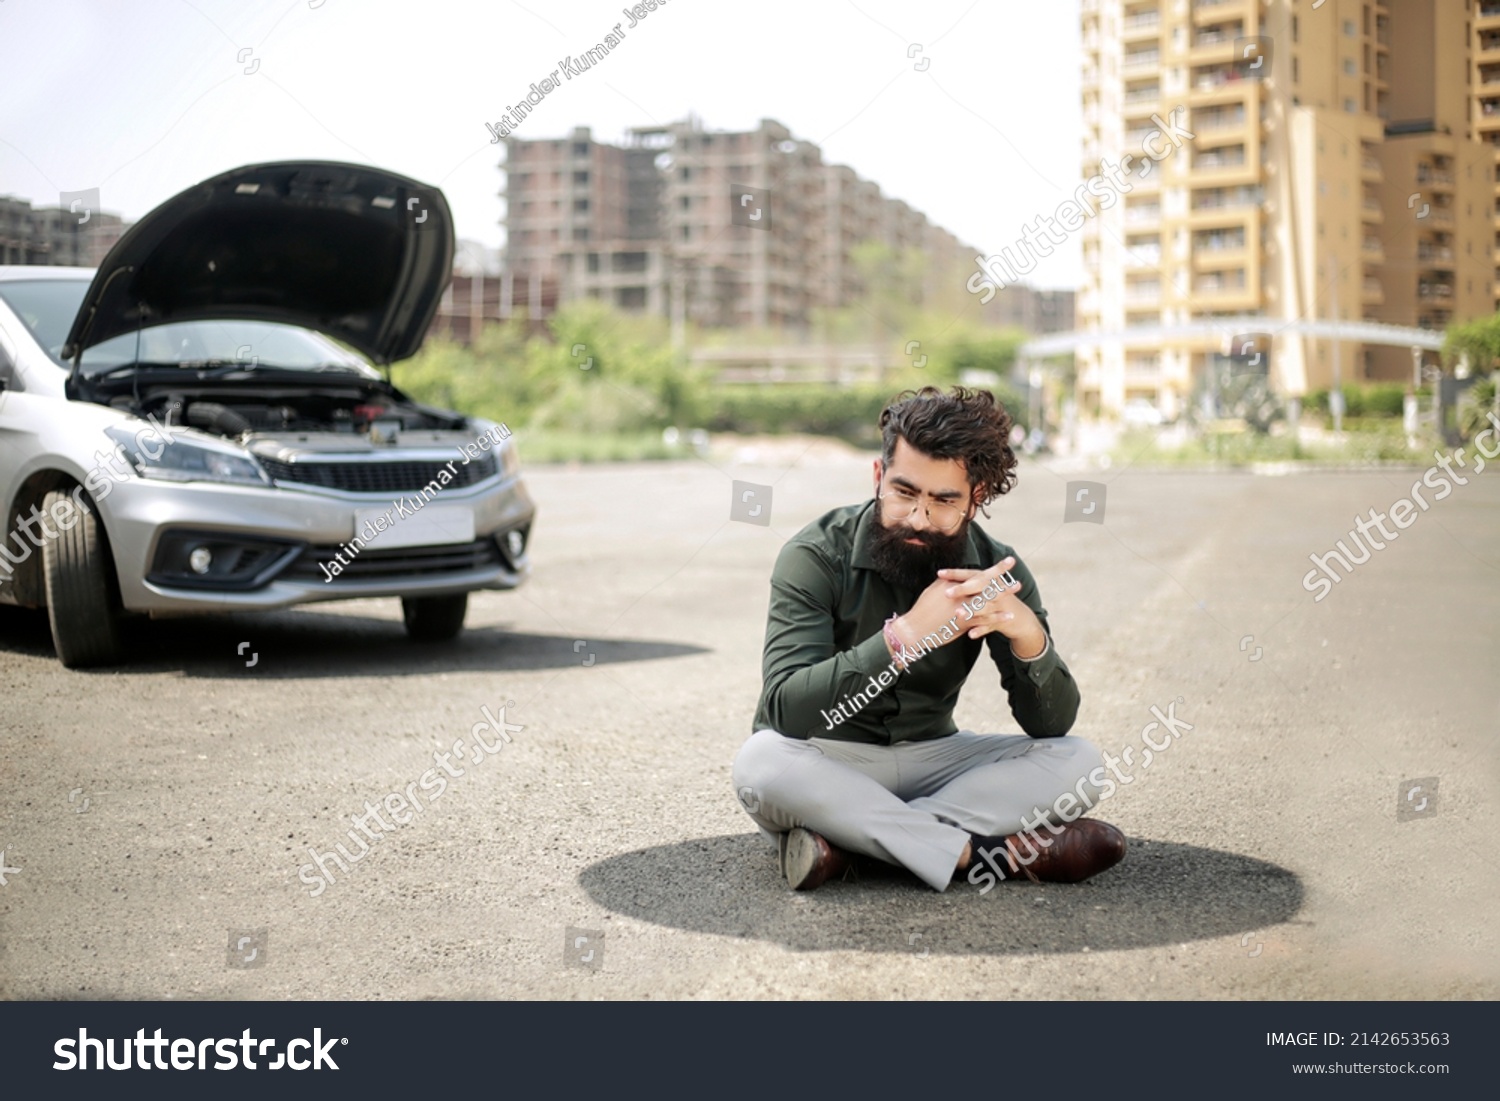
column 1042, row 693
column 804, row 673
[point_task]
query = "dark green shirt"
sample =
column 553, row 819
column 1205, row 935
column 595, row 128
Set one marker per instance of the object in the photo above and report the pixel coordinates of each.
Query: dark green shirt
column 826, row 660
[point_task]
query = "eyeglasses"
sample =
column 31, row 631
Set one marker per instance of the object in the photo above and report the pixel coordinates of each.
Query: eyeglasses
column 943, row 515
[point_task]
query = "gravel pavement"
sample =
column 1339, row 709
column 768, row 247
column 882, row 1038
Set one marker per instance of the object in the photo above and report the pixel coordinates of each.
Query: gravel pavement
column 1324, row 830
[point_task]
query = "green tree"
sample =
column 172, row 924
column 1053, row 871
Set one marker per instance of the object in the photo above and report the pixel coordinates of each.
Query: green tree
column 1478, row 339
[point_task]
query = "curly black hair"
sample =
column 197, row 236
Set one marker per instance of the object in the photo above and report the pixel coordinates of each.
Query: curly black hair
column 968, row 425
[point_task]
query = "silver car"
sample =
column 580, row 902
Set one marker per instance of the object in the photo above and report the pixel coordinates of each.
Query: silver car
column 197, row 427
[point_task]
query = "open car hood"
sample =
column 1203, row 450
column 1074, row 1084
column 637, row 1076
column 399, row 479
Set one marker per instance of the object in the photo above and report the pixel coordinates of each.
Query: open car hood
column 356, row 253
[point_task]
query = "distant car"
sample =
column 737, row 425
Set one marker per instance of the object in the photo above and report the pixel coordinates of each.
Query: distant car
column 1140, row 413
column 197, row 427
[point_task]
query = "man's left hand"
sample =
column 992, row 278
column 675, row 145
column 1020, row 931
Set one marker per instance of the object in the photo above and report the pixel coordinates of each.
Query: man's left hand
column 1003, row 612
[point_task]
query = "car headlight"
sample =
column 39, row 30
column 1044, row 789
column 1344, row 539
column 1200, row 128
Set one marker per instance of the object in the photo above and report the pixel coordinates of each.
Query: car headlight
column 510, row 462
column 178, row 460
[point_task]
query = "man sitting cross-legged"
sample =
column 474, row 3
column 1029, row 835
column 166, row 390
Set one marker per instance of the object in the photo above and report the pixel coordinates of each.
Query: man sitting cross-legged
column 877, row 615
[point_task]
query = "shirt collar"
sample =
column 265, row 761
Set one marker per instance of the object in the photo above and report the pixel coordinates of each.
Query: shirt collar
column 864, row 542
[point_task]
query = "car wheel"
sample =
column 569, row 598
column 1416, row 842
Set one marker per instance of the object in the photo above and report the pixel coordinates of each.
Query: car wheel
column 83, row 604
column 434, row 618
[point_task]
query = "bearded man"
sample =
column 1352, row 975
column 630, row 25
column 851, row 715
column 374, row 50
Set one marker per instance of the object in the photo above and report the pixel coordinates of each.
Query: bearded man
column 878, row 613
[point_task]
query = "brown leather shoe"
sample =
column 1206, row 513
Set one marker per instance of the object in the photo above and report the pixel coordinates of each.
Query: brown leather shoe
column 808, row 860
column 1083, row 849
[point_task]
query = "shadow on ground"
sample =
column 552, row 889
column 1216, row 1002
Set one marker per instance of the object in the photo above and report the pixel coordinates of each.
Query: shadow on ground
column 1163, row 893
column 304, row 644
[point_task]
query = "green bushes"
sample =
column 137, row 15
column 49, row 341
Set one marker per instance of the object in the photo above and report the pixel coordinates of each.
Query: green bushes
column 1380, row 399
column 604, row 375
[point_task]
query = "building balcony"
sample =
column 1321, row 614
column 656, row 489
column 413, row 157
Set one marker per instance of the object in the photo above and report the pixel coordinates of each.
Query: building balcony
column 1223, row 87
column 1434, row 290
column 1143, row 293
column 1226, row 157
column 1148, row 94
column 1140, row 59
column 1371, row 211
column 1142, row 215
column 1225, row 296
column 1210, row 11
column 1372, row 250
column 1487, row 17
column 1219, row 121
column 1225, row 173
column 1435, row 255
column 1144, row 25
column 1221, row 211
column 1371, row 293
column 1142, row 258
column 1229, row 257
column 1369, row 168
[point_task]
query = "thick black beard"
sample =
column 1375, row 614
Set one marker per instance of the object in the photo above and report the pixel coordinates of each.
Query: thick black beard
column 910, row 567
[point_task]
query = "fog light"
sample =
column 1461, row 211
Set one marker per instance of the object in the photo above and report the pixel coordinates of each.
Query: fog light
column 200, row 560
column 515, row 542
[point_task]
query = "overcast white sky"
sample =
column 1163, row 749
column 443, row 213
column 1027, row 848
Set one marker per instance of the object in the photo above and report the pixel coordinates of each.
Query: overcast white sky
column 145, row 98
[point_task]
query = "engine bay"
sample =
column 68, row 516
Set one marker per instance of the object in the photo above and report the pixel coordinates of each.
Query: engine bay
column 237, row 412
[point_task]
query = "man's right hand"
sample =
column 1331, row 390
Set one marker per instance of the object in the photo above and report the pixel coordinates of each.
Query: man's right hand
column 933, row 611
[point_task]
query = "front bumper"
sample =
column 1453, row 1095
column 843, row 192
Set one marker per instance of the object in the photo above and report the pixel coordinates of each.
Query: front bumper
column 304, row 531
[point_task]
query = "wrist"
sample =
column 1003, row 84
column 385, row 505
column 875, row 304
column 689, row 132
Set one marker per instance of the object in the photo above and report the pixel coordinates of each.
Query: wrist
column 1031, row 646
column 896, row 641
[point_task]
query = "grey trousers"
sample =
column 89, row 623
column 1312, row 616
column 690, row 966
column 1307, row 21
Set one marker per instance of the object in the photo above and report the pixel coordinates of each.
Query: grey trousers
column 914, row 803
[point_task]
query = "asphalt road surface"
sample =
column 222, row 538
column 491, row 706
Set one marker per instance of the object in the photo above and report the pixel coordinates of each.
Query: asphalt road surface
column 1324, row 830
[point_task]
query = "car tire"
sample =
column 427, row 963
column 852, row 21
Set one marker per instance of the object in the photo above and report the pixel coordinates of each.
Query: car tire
column 434, row 618
column 83, row 603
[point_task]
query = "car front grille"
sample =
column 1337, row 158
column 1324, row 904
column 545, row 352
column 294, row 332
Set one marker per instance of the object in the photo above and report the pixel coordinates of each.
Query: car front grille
column 402, row 562
column 402, row 476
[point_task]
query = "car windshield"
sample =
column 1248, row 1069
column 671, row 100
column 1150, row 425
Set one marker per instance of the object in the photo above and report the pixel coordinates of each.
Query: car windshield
column 47, row 308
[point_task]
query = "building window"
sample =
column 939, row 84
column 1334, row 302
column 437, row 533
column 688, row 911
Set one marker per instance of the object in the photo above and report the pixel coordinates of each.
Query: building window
column 593, row 262
column 580, row 149
column 1349, row 28
column 580, row 206
column 580, row 177
column 1351, row 106
column 1350, row 69
column 581, row 233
